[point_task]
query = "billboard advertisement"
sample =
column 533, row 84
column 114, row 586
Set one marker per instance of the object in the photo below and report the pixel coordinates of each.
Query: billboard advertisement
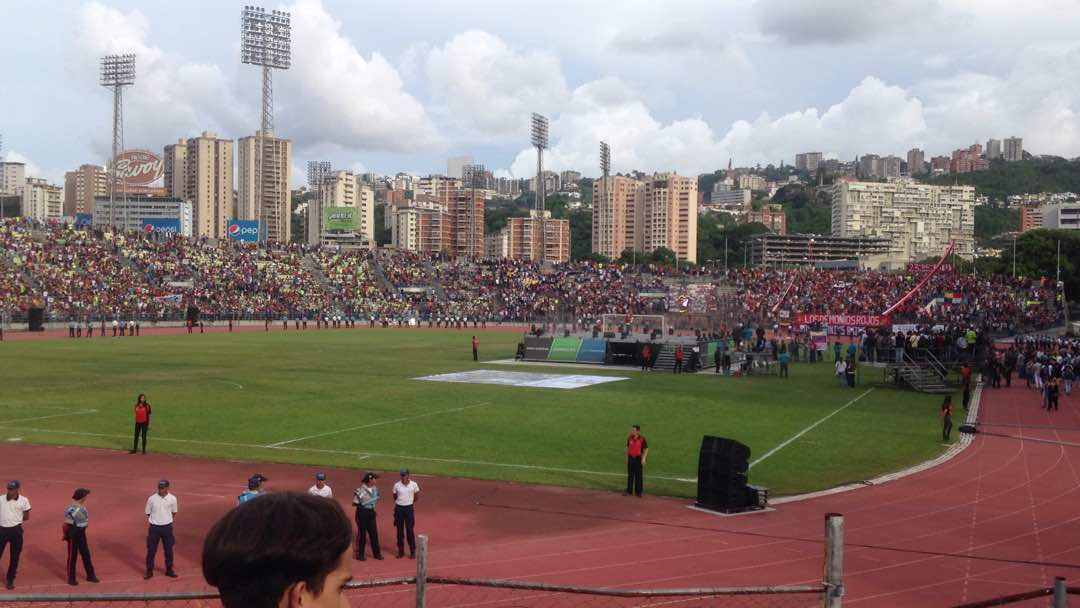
column 169, row 227
column 564, row 349
column 339, row 218
column 139, row 167
column 84, row 219
column 243, row 230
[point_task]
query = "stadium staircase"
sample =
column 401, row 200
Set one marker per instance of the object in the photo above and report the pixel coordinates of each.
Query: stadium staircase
column 436, row 285
column 922, row 372
column 665, row 357
column 312, row 266
column 388, row 287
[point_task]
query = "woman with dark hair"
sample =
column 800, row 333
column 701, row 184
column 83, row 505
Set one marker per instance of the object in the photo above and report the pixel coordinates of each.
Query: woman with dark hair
column 142, row 422
column 946, row 417
column 284, row 550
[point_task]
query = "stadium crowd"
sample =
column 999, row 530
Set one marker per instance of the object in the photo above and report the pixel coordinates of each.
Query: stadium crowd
column 83, row 274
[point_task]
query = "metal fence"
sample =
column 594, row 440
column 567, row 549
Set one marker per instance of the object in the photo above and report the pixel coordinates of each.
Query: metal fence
column 429, row 590
column 1052, row 597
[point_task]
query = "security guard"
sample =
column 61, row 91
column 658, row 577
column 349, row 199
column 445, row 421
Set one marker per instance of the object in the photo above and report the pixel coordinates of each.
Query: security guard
column 76, row 519
column 14, row 510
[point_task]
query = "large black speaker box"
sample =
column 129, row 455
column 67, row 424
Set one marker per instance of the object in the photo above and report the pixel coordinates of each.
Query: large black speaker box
column 723, row 475
column 36, row 319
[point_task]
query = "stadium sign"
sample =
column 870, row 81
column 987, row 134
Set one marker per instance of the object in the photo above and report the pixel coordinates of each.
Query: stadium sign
column 243, row 230
column 857, row 320
column 84, row 219
column 169, row 227
column 339, row 218
column 139, row 167
column 920, row 267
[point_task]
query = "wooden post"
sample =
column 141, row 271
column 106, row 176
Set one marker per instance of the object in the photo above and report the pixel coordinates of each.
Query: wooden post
column 421, row 572
column 1060, row 599
column 834, row 560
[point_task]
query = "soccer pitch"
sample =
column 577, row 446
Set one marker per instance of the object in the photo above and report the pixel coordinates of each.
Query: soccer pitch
column 353, row 398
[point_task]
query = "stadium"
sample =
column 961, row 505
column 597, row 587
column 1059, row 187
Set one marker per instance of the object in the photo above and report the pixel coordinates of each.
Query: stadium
column 295, row 359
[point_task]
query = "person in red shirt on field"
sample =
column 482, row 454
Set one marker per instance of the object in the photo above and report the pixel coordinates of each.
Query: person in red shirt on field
column 637, row 452
column 142, row 423
column 475, row 345
column 679, row 354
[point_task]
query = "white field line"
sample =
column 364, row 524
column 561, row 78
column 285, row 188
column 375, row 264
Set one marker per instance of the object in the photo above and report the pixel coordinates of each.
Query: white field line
column 71, row 413
column 375, row 424
column 788, row 441
column 359, row 455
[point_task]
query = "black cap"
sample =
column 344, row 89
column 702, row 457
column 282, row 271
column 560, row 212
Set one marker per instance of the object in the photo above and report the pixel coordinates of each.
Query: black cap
column 164, row 483
column 80, row 494
column 13, row 484
column 404, row 472
column 369, row 476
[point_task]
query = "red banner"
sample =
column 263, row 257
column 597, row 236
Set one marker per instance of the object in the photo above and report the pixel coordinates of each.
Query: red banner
column 857, row 320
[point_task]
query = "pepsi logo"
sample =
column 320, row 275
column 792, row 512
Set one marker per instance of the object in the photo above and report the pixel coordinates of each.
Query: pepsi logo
column 234, row 229
column 148, row 228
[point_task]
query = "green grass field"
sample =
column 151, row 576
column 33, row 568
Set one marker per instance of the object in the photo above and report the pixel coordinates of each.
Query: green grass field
column 232, row 395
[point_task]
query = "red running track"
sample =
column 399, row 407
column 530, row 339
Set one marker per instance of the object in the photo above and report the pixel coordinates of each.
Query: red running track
column 999, row 518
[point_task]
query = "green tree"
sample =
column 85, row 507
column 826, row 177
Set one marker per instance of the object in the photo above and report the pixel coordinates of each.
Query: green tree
column 383, row 234
column 1003, row 179
column 992, row 221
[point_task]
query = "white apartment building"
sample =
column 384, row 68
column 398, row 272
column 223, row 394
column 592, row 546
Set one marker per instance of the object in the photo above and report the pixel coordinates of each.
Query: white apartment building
column 808, row 161
column 276, row 168
column 749, row 181
column 342, row 189
column 731, row 198
column 1014, row 149
column 200, row 170
column 1061, row 216
column 133, row 213
column 993, row 149
column 920, row 220
column 12, row 177
column 41, row 200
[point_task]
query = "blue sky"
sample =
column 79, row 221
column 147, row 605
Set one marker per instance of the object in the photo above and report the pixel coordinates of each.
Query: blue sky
column 677, row 85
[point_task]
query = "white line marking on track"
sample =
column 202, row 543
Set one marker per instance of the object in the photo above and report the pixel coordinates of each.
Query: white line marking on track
column 357, row 455
column 71, row 413
column 375, row 424
column 788, row 441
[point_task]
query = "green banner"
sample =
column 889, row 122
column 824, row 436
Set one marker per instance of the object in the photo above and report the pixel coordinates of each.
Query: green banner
column 564, row 349
column 339, row 218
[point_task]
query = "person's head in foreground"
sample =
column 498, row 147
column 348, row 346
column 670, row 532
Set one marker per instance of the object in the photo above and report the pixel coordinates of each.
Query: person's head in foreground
column 285, row 550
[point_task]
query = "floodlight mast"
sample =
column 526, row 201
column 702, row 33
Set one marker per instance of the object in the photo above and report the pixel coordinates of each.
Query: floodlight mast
column 540, row 142
column 117, row 72
column 317, row 171
column 265, row 40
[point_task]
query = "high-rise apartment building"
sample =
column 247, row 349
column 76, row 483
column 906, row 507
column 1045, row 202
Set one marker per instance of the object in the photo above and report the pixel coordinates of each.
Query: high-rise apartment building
column 455, row 166
column 1031, row 217
column 82, row 186
column 617, row 202
column 749, row 181
column 12, row 178
column 916, row 162
column 993, row 149
column 771, row 216
column 419, row 226
column 669, row 215
column 940, row 165
column 342, row 189
column 1061, row 216
column 276, row 183
column 808, row 161
column 41, row 200
column 200, row 170
column 465, row 207
column 920, row 220
column 174, row 162
column 870, row 165
column 537, row 237
column 968, row 160
column 890, row 166
column 1014, row 149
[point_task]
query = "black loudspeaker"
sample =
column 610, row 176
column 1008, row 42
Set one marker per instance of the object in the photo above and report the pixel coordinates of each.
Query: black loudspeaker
column 968, row 428
column 192, row 314
column 723, row 467
column 36, row 319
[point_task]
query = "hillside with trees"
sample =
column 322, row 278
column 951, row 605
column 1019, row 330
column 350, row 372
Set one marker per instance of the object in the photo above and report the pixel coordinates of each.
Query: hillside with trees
column 1003, row 179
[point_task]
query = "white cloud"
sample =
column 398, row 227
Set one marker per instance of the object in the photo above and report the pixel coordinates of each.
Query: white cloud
column 335, row 95
column 172, row 97
column 838, row 21
column 485, row 89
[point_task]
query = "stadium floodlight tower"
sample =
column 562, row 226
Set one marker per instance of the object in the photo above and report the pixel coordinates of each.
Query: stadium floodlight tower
column 117, row 72
column 472, row 178
column 265, row 40
column 317, row 171
column 540, row 142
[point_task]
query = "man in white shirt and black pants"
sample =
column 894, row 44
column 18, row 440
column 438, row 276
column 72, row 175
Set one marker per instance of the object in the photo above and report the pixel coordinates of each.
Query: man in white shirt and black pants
column 160, row 509
column 14, row 510
column 321, row 488
column 405, row 493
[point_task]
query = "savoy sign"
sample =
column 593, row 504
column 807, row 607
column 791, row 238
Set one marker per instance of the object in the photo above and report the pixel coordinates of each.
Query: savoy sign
column 139, row 167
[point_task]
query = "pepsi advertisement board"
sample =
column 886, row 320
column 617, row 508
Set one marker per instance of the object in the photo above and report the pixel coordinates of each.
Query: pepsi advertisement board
column 168, row 227
column 243, row 230
column 84, row 219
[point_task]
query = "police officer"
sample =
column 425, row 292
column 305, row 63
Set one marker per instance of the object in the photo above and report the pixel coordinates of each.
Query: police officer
column 321, row 488
column 406, row 492
column 14, row 510
column 76, row 518
column 161, row 509
column 365, row 498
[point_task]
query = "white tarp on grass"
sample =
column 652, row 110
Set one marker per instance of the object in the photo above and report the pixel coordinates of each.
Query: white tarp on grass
column 532, row 379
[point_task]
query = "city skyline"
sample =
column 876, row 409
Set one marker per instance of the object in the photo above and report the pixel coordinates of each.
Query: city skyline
column 464, row 82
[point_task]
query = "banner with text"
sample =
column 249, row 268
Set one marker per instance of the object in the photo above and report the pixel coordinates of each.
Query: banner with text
column 859, row 320
column 339, row 219
column 921, row 267
column 564, row 349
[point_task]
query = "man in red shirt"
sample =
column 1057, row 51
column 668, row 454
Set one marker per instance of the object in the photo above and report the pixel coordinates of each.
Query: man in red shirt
column 475, row 345
column 142, row 423
column 637, row 452
column 678, row 359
